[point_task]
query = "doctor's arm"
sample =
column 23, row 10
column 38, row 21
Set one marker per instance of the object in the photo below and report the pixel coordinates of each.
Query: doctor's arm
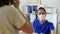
column 52, row 29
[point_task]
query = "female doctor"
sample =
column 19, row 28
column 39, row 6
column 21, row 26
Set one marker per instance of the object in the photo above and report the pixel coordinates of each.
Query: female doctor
column 41, row 25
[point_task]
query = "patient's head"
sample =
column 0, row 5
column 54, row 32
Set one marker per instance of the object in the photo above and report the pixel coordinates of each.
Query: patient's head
column 16, row 3
column 9, row 2
column 4, row 2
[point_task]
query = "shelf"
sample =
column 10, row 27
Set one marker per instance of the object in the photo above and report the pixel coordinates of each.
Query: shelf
column 31, row 4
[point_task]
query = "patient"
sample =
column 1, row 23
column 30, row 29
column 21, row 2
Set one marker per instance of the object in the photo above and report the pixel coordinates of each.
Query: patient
column 41, row 25
column 11, row 20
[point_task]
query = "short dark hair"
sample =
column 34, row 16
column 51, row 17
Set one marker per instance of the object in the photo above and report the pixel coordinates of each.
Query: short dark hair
column 42, row 8
column 5, row 2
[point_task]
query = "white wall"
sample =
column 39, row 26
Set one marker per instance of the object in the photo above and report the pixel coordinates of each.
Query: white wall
column 24, row 2
column 58, row 17
column 50, row 3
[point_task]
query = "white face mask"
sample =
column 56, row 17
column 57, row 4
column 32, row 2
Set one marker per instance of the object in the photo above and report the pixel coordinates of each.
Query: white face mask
column 41, row 17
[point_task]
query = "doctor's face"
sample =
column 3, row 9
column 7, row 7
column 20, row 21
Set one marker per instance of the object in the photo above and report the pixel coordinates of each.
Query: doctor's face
column 41, row 11
column 41, row 14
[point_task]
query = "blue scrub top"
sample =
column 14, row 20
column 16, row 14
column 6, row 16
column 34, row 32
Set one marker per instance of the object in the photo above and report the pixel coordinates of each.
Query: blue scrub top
column 45, row 28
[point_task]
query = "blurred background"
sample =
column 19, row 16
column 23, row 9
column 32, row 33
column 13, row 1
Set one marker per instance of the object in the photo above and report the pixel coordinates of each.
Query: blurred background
column 29, row 9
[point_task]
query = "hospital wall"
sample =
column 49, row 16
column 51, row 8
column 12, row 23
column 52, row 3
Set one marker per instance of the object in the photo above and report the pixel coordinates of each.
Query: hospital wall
column 59, row 17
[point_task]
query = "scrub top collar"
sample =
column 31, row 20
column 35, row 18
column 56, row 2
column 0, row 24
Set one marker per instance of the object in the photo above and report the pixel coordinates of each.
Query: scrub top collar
column 43, row 23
